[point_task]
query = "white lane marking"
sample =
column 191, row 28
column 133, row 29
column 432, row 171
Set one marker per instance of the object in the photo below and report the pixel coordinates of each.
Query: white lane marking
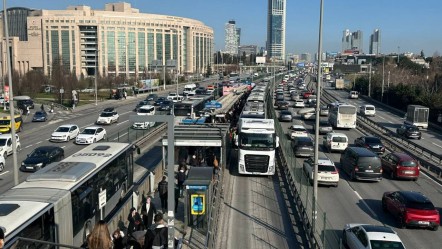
column 4, row 173
column 39, row 142
column 64, row 146
column 124, row 134
column 440, row 146
column 429, row 178
column 122, row 122
column 87, row 125
column 126, row 112
column 29, row 146
column 381, row 117
column 362, row 200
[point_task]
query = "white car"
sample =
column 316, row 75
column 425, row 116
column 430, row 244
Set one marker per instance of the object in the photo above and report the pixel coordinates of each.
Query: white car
column 91, row 135
column 367, row 110
column 299, row 103
column 298, row 131
column 309, row 116
column 364, row 236
column 108, row 116
column 6, row 144
column 327, row 172
column 171, row 96
column 2, row 163
column 64, row 133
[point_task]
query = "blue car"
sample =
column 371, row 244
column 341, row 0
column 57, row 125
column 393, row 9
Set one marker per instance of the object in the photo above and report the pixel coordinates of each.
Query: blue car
column 40, row 116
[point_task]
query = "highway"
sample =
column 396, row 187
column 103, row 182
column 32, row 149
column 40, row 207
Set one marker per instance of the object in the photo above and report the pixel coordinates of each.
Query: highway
column 360, row 202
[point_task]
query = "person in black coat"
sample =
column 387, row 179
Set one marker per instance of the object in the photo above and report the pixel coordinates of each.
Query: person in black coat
column 148, row 210
column 156, row 235
column 135, row 221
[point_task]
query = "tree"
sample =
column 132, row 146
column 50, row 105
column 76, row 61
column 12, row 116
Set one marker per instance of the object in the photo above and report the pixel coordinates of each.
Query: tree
column 209, row 70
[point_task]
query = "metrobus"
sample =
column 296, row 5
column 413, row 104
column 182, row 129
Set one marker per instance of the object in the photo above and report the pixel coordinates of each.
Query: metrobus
column 342, row 115
column 61, row 202
column 145, row 110
column 189, row 108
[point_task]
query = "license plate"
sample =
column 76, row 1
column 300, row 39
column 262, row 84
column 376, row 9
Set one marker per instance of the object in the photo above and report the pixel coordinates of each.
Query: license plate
column 408, row 172
column 29, row 167
column 376, row 146
column 423, row 222
column 369, row 170
column 326, row 178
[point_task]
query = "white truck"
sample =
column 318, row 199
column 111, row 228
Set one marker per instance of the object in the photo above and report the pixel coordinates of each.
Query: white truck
column 417, row 115
column 339, row 84
column 257, row 143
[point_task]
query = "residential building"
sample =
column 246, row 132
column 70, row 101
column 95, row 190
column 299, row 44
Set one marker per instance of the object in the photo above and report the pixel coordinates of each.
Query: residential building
column 375, row 42
column 118, row 40
column 276, row 22
column 231, row 38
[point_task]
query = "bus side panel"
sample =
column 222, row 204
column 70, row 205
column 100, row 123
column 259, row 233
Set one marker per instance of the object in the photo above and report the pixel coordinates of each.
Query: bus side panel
column 63, row 220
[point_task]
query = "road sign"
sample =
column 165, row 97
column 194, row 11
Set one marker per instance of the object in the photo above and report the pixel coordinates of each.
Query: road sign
column 196, row 187
column 61, row 90
column 102, row 199
column 213, row 105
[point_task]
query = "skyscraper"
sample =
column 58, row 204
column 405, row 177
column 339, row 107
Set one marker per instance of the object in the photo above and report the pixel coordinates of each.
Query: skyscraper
column 357, row 41
column 375, row 42
column 231, row 38
column 346, row 40
column 276, row 29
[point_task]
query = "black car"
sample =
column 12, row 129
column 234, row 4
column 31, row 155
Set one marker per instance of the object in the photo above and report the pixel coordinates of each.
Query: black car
column 141, row 103
column 166, row 105
column 41, row 157
column 159, row 101
column 303, row 146
column 152, row 97
column 372, row 143
column 200, row 90
column 40, row 116
column 409, row 131
column 282, row 105
column 25, row 103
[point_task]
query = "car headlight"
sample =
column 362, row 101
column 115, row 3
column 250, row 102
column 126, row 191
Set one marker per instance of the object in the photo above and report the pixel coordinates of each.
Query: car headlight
column 22, row 164
column 64, row 136
column 1, row 149
column 39, row 164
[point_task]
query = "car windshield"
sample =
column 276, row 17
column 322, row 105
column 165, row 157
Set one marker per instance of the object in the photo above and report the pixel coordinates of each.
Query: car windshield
column 369, row 108
column 421, row 205
column 62, row 129
column 305, row 143
column 5, row 122
column 256, row 141
column 106, row 114
column 382, row 244
column 88, row 131
column 298, row 129
column 339, row 139
column 408, row 164
column 3, row 142
column 39, row 153
column 324, row 123
column 286, row 113
column 39, row 113
column 372, row 140
column 143, row 110
column 413, row 128
column 326, row 168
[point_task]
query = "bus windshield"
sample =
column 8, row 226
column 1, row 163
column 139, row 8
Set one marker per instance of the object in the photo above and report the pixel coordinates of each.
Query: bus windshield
column 256, row 141
column 347, row 110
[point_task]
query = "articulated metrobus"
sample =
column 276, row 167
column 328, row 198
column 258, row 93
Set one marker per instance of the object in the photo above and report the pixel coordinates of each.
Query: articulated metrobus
column 60, row 203
column 189, row 108
column 342, row 115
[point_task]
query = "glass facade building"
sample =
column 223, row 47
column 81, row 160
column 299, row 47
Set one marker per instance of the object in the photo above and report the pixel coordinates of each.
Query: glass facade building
column 375, row 42
column 276, row 22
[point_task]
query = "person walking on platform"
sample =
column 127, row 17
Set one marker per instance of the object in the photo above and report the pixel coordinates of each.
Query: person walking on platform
column 148, row 211
column 162, row 190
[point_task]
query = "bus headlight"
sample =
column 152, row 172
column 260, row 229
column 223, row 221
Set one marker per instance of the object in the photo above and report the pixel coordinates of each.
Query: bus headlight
column 271, row 168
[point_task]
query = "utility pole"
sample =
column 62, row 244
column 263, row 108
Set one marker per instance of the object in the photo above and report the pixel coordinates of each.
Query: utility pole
column 369, row 82
column 383, row 78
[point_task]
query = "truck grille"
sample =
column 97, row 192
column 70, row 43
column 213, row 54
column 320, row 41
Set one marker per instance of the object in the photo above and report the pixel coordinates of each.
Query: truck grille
column 256, row 163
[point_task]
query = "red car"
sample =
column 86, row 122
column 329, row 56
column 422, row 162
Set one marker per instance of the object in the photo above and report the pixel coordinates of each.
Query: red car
column 306, row 95
column 411, row 209
column 400, row 165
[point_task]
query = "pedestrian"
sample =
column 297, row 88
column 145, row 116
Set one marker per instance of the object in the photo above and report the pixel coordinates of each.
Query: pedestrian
column 162, row 190
column 100, row 237
column 125, row 94
column 148, row 210
column 118, row 239
column 156, row 235
column 135, row 221
column 52, row 108
column 216, row 170
column 193, row 161
column 2, row 238
column 181, row 177
column 27, row 110
column 42, row 108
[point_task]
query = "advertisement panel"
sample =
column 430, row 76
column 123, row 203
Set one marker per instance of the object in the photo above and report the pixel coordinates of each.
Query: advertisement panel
column 6, row 93
column 260, row 60
column 149, row 84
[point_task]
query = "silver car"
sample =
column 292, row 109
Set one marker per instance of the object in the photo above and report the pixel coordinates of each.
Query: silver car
column 324, row 127
column 285, row 116
column 323, row 111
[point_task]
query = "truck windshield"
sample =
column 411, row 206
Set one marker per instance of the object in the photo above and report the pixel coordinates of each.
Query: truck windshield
column 256, row 141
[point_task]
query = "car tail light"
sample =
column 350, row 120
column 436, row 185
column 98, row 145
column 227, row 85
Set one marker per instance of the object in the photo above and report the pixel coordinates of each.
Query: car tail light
column 356, row 168
column 381, row 170
column 367, row 146
column 335, row 172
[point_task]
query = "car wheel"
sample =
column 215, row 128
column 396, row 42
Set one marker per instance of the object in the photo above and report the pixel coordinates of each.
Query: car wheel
column 18, row 148
column 336, row 185
column 104, row 137
column 68, row 139
column 116, row 121
column 5, row 155
column 419, row 137
column 344, row 239
column 2, row 167
column 435, row 228
column 95, row 140
column 402, row 223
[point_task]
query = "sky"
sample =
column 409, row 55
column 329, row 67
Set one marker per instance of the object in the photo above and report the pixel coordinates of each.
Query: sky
column 406, row 25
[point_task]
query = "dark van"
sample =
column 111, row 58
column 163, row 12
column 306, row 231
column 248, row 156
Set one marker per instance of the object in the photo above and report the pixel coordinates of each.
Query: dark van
column 361, row 164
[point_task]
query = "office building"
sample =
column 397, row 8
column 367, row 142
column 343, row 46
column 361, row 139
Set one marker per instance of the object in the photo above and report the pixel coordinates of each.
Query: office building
column 276, row 19
column 375, row 42
column 306, row 57
column 247, row 49
column 118, row 40
column 231, row 38
column 346, row 40
column 357, row 41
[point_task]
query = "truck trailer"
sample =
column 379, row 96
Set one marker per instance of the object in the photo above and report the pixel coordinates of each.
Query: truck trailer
column 417, row 115
column 339, row 84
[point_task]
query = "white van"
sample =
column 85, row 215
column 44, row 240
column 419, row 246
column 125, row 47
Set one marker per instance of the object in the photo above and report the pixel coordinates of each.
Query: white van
column 353, row 95
column 189, row 89
column 335, row 141
column 6, row 144
column 367, row 110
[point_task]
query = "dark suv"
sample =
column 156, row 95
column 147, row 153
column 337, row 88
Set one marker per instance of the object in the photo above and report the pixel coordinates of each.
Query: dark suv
column 26, row 103
column 372, row 143
column 409, row 131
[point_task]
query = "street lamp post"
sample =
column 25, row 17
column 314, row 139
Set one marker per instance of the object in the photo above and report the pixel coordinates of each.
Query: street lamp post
column 96, row 75
column 369, row 82
column 383, row 78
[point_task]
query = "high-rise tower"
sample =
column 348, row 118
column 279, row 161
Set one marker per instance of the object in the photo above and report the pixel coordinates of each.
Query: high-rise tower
column 231, row 38
column 346, row 40
column 375, row 42
column 276, row 29
column 357, row 41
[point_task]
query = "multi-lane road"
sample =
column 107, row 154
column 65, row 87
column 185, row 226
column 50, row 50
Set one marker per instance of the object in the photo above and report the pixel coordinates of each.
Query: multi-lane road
column 360, row 202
